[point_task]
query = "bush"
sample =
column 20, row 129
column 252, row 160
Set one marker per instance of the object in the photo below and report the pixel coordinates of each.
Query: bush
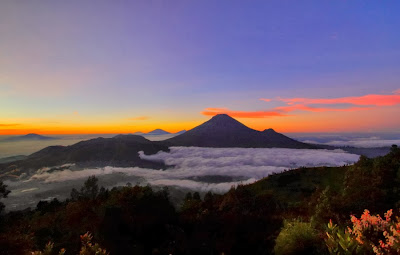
column 298, row 237
column 369, row 234
column 87, row 248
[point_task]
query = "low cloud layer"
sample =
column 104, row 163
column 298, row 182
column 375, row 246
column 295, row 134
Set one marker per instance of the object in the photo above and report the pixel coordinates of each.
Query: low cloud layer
column 190, row 162
column 361, row 143
column 200, row 169
column 212, row 159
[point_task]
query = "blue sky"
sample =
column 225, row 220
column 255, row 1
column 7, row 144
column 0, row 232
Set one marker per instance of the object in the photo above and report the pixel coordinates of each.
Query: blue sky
column 101, row 63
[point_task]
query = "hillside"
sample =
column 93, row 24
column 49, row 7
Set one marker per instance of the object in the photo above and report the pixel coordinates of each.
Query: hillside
column 121, row 150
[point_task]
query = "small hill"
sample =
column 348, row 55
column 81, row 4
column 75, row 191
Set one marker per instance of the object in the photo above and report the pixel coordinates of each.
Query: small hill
column 224, row 131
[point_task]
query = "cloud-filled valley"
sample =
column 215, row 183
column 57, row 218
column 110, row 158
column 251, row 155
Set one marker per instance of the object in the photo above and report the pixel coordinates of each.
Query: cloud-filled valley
column 201, row 169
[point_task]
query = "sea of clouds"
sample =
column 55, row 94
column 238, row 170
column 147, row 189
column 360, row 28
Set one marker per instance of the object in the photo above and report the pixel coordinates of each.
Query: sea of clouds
column 191, row 168
column 355, row 140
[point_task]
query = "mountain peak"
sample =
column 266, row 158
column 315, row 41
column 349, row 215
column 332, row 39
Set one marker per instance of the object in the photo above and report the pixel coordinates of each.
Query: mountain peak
column 224, row 123
column 222, row 116
column 31, row 134
column 269, row 130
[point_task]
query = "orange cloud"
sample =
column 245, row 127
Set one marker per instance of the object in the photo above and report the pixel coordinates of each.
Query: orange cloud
column 140, row 118
column 371, row 100
column 366, row 102
column 241, row 114
column 302, row 107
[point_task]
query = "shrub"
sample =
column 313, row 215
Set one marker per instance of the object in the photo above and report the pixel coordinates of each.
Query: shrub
column 368, row 234
column 298, row 237
column 341, row 241
column 87, row 247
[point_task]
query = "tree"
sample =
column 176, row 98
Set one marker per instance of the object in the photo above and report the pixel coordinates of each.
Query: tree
column 208, row 197
column 188, row 196
column 196, row 196
column 90, row 189
column 3, row 194
column 394, row 149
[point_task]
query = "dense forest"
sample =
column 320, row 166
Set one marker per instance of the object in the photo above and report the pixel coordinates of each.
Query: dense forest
column 300, row 211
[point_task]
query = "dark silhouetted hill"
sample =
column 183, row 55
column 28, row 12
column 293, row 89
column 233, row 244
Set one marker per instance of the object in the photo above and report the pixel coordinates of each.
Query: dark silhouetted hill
column 121, row 150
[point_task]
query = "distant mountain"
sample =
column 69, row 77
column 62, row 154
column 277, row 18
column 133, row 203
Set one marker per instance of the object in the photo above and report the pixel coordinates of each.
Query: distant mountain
column 121, row 151
column 29, row 137
column 154, row 132
column 158, row 132
column 224, row 131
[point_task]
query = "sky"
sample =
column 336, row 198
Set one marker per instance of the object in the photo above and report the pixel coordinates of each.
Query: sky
column 81, row 67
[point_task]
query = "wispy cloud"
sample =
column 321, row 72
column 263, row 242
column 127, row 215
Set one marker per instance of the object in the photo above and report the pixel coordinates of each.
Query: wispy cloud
column 9, row 124
column 139, row 118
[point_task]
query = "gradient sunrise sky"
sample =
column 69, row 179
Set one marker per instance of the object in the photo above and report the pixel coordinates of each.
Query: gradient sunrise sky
column 126, row 66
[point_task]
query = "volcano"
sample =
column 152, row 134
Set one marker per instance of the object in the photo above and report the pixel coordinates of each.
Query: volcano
column 224, row 131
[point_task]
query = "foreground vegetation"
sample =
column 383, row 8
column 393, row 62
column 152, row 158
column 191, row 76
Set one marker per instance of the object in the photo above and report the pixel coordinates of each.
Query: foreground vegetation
column 302, row 211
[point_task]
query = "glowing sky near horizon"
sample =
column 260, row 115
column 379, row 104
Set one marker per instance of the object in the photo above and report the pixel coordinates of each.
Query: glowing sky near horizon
column 127, row 66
